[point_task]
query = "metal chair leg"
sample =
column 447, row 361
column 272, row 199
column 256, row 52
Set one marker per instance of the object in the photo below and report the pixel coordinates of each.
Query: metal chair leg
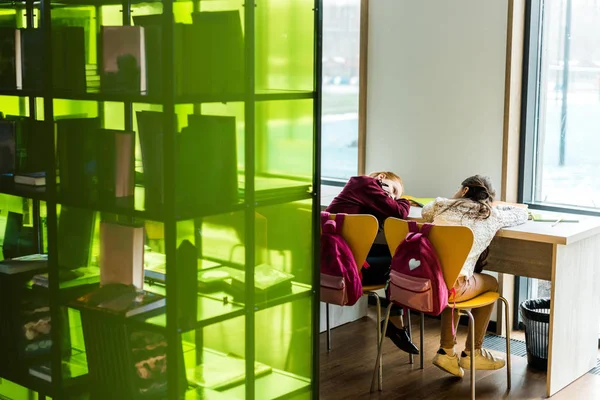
column 472, row 333
column 508, row 354
column 421, row 349
column 409, row 330
column 380, row 335
column 328, row 330
column 380, row 347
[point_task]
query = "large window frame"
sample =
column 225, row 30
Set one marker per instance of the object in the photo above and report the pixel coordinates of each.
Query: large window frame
column 362, row 98
column 529, row 161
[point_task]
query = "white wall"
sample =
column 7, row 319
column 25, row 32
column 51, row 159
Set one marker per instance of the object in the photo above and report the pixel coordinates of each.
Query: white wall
column 435, row 100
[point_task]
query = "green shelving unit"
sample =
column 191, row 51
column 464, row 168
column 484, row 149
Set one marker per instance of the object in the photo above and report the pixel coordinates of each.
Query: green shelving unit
column 244, row 343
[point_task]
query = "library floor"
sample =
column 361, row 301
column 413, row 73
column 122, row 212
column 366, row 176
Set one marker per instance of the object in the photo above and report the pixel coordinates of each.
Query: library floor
column 346, row 371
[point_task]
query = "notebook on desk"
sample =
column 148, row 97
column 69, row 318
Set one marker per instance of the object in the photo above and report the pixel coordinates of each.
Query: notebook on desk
column 418, row 201
column 538, row 217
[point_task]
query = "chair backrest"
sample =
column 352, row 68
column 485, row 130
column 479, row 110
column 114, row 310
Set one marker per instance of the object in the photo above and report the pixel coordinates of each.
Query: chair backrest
column 452, row 245
column 359, row 231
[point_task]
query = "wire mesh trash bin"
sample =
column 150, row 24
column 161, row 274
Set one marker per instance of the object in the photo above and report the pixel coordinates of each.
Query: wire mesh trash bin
column 536, row 317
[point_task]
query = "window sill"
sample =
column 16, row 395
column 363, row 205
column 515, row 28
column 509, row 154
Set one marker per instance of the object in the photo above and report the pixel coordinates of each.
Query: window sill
column 328, row 193
column 562, row 208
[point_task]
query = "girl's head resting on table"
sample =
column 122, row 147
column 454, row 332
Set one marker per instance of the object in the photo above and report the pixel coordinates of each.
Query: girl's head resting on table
column 478, row 189
column 390, row 183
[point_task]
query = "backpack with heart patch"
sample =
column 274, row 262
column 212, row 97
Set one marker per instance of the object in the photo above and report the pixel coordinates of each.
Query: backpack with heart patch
column 416, row 278
column 340, row 280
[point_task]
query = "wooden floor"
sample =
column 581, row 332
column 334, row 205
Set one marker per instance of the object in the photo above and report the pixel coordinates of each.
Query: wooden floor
column 346, row 371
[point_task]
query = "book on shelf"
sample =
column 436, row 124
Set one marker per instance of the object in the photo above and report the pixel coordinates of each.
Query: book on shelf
column 68, row 58
column 32, row 262
column 8, row 143
column 70, row 278
column 75, row 234
column 187, row 284
column 31, row 151
column 123, row 59
column 270, row 187
column 18, row 237
column 115, row 160
column 151, row 133
column 73, row 366
column 122, row 300
column 207, row 162
column 32, row 41
column 214, row 53
column 10, row 59
column 121, row 254
column 155, row 265
column 221, row 371
column 77, row 155
column 268, row 282
column 152, row 25
column 31, row 179
column 218, row 278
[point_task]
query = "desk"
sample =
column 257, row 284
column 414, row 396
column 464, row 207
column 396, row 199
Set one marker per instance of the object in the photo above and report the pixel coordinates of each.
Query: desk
column 568, row 255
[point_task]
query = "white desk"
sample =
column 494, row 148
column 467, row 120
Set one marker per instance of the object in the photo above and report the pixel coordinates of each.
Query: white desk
column 568, row 255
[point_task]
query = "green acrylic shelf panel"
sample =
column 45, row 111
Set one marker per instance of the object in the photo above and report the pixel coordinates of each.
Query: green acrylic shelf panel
column 217, row 307
column 98, row 96
column 225, row 376
column 26, row 191
column 209, row 311
column 125, row 206
column 285, row 50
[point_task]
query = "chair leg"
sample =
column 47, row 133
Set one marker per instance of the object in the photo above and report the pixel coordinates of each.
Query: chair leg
column 422, row 350
column 472, row 332
column 508, row 355
column 380, row 335
column 380, row 347
column 409, row 329
column 328, row 330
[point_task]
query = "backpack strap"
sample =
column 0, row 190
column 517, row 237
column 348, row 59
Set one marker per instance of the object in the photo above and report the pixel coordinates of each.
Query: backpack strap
column 324, row 218
column 413, row 226
column 425, row 229
column 339, row 222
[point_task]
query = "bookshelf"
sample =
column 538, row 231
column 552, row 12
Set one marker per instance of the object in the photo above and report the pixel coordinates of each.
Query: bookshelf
column 222, row 163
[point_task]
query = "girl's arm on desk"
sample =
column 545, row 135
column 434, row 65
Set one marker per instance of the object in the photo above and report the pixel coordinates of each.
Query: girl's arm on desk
column 511, row 215
column 429, row 210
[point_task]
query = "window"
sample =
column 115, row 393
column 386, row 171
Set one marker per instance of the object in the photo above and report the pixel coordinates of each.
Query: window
column 339, row 126
column 561, row 167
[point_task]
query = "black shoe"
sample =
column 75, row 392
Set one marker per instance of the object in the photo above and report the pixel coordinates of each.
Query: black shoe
column 400, row 338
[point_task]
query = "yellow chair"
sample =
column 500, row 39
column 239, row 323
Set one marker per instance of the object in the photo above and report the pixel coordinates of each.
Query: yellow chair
column 359, row 231
column 452, row 245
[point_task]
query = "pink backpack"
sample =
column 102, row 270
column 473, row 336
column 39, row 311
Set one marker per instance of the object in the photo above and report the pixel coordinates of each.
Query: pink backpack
column 340, row 280
column 416, row 279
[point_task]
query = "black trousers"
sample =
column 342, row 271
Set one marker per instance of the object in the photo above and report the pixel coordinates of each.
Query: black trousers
column 378, row 273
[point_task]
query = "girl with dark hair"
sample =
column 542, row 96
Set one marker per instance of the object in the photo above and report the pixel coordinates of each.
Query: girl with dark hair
column 472, row 206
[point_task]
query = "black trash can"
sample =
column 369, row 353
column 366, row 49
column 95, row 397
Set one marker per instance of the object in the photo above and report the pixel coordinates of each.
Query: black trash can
column 536, row 317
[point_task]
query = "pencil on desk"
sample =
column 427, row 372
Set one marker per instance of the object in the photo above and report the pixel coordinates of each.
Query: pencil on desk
column 557, row 222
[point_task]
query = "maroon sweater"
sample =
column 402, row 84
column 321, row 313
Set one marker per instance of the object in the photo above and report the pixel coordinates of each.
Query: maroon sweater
column 364, row 195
